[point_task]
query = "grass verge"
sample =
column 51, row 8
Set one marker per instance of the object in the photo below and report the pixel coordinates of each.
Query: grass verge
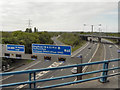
column 78, row 46
column 73, row 40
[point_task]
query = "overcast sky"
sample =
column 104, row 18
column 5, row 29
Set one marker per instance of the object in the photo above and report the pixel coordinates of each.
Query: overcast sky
column 59, row 16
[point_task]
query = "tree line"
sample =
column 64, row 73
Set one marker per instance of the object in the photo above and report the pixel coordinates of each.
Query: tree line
column 27, row 38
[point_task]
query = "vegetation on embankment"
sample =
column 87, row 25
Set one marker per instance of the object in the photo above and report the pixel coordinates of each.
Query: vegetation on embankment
column 26, row 38
column 113, row 34
column 72, row 39
column 113, row 40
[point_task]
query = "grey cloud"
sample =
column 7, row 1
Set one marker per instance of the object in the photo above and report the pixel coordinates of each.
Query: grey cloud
column 52, row 15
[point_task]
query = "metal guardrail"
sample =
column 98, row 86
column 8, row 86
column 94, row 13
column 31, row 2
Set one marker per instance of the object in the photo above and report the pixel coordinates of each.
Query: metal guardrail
column 102, row 78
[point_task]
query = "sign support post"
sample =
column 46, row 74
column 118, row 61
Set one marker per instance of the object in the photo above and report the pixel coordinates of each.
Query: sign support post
column 79, row 69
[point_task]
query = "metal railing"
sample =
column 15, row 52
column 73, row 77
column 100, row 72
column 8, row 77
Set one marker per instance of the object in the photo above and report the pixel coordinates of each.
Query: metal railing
column 102, row 78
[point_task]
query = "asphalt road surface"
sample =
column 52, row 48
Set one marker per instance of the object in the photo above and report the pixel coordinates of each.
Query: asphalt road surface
column 88, row 55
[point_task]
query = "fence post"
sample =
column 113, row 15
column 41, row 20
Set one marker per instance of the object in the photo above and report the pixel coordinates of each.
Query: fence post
column 30, row 79
column 34, row 75
column 104, row 73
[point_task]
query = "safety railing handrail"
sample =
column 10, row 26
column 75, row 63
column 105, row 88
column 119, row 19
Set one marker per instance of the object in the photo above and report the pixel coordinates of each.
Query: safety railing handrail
column 78, row 81
column 56, row 78
column 55, row 68
column 103, row 77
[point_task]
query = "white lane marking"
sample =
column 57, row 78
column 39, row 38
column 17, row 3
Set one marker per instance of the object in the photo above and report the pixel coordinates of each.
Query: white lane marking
column 80, row 50
column 111, row 53
column 89, row 60
column 61, row 69
column 55, row 42
column 89, row 52
column 112, row 43
column 104, row 52
column 38, row 87
column 32, row 65
column 113, row 70
column 55, row 64
column 52, row 77
column 6, row 78
column 75, row 79
column 21, row 70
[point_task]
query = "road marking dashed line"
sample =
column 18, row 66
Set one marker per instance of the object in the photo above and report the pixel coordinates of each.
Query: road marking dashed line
column 52, row 77
column 21, row 70
column 104, row 52
column 55, row 64
column 38, row 87
column 80, row 50
column 88, row 52
column 6, row 78
column 61, row 69
column 89, row 60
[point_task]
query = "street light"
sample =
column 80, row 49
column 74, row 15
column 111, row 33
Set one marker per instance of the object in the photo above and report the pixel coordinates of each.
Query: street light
column 84, row 26
column 100, row 30
column 92, row 26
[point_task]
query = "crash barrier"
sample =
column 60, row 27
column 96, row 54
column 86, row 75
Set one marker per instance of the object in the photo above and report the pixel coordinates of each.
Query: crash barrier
column 102, row 78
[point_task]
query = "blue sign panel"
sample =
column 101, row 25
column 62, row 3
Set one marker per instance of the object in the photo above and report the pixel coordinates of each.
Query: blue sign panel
column 16, row 48
column 51, row 49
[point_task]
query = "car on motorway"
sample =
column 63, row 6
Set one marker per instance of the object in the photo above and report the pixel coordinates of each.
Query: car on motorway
column 110, row 46
column 18, row 56
column 74, row 70
column 118, row 51
column 5, row 65
column 47, row 58
column 61, row 59
column 79, row 56
column 7, row 55
column 34, row 57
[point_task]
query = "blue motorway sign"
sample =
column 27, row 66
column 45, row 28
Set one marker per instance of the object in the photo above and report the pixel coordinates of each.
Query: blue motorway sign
column 16, row 48
column 51, row 49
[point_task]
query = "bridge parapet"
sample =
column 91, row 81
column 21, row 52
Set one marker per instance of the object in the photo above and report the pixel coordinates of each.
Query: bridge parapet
column 102, row 78
column 101, row 36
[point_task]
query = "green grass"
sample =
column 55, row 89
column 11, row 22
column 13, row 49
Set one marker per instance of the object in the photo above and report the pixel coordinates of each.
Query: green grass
column 73, row 40
column 78, row 46
column 113, row 34
column 29, row 61
column 114, row 41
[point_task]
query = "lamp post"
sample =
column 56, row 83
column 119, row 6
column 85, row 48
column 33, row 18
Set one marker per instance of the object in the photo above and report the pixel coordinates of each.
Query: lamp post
column 100, row 29
column 92, row 26
column 84, row 26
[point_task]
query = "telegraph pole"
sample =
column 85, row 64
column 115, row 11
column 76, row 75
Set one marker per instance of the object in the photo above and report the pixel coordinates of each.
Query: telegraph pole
column 29, row 27
column 29, row 23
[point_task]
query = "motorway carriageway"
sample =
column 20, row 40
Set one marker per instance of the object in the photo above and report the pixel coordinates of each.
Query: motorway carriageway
column 87, row 53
